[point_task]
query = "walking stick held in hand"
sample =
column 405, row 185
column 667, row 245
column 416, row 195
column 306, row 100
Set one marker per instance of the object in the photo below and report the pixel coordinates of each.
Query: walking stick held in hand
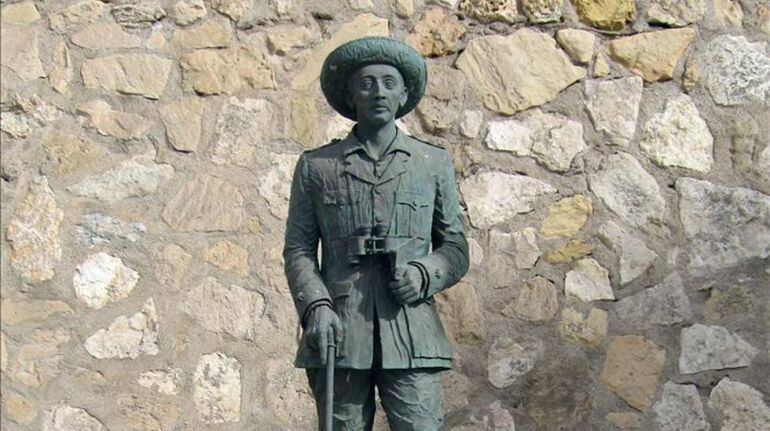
column 331, row 354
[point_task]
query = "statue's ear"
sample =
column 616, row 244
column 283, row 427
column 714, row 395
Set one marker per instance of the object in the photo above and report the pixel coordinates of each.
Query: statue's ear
column 404, row 98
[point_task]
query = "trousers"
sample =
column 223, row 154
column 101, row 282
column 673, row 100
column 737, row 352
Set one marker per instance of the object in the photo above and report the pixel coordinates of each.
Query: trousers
column 412, row 398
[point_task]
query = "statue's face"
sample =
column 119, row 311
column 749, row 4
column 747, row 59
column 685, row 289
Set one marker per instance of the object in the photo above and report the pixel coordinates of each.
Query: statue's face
column 376, row 92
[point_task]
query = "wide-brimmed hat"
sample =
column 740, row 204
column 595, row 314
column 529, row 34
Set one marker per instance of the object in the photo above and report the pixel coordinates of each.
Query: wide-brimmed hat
column 340, row 65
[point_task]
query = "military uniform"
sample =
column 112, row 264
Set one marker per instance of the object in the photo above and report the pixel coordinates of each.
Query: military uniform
column 375, row 215
column 339, row 192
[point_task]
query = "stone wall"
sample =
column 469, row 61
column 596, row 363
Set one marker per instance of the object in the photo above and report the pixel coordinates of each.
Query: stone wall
column 612, row 156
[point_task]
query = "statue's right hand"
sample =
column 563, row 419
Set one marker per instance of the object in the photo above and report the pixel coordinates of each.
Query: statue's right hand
column 323, row 326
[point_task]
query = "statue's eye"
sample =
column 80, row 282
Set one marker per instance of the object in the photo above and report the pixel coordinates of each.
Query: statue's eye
column 366, row 84
column 390, row 83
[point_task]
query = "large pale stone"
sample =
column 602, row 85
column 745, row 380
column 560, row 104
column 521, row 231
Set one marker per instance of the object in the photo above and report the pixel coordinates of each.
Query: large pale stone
column 166, row 382
column 679, row 137
column 226, row 71
column 653, row 55
column 213, row 33
column 737, row 71
column 628, row 190
column 665, row 304
column 70, row 153
column 228, row 256
column 573, row 250
column 109, row 122
column 509, row 359
column 436, row 34
column 275, row 184
column 676, row 13
column 542, row 11
column 567, row 216
column 188, row 12
column 724, row 225
column 632, row 370
column 535, row 300
column 579, row 44
column 102, row 278
column 38, row 362
column 217, row 393
column 510, row 252
column 614, row 107
column 20, row 13
column 139, row 176
column 589, row 281
column 171, row 263
column 706, row 347
column 14, row 312
column 487, row 11
column 243, row 127
column 461, row 314
column 232, row 310
column 361, row 26
column 61, row 71
column 509, row 71
column 635, row 256
column 33, row 233
column 494, row 197
column 551, row 139
column 105, row 35
column 740, row 406
column 471, row 123
column 680, row 409
column 182, row 120
column 19, row 52
column 96, row 229
column 18, row 408
column 67, row 418
column 590, row 329
column 138, row 14
column 127, row 337
column 76, row 15
column 205, row 203
column 142, row 74
column 606, row 14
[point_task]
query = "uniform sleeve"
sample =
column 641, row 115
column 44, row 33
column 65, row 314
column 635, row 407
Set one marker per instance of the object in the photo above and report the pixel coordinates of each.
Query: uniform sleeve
column 300, row 250
column 448, row 262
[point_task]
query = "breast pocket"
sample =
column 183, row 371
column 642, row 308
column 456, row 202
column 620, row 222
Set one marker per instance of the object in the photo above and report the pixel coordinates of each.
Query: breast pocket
column 413, row 213
column 336, row 216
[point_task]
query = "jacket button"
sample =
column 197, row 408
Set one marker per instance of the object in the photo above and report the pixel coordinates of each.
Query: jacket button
column 378, row 218
column 437, row 274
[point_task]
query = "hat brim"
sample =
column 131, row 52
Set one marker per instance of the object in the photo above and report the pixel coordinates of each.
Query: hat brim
column 341, row 63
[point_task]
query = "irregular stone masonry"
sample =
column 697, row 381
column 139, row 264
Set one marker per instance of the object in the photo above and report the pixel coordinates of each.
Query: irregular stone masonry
column 613, row 161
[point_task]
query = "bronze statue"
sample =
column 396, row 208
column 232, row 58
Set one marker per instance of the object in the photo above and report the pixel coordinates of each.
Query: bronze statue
column 385, row 209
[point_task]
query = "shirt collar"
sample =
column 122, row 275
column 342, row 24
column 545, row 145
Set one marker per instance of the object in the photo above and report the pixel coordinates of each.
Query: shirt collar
column 352, row 144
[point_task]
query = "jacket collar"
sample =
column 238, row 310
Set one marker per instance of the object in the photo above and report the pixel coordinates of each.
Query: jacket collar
column 356, row 165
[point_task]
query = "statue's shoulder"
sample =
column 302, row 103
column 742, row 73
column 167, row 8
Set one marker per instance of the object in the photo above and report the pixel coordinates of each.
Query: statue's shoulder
column 420, row 142
column 325, row 147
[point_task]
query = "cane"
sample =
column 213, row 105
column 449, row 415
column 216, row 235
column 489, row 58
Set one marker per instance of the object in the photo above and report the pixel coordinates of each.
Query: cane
column 331, row 353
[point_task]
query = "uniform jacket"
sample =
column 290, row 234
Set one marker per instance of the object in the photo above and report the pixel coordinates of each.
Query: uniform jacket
column 337, row 191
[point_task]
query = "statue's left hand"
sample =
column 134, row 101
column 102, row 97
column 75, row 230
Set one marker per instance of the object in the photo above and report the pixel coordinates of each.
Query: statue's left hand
column 406, row 285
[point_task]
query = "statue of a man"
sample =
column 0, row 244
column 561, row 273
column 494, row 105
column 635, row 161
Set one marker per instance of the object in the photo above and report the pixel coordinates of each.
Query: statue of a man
column 384, row 207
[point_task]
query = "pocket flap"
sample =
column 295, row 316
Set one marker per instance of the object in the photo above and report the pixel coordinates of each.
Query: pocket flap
column 413, row 198
column 335, row 197
column 339, row 289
